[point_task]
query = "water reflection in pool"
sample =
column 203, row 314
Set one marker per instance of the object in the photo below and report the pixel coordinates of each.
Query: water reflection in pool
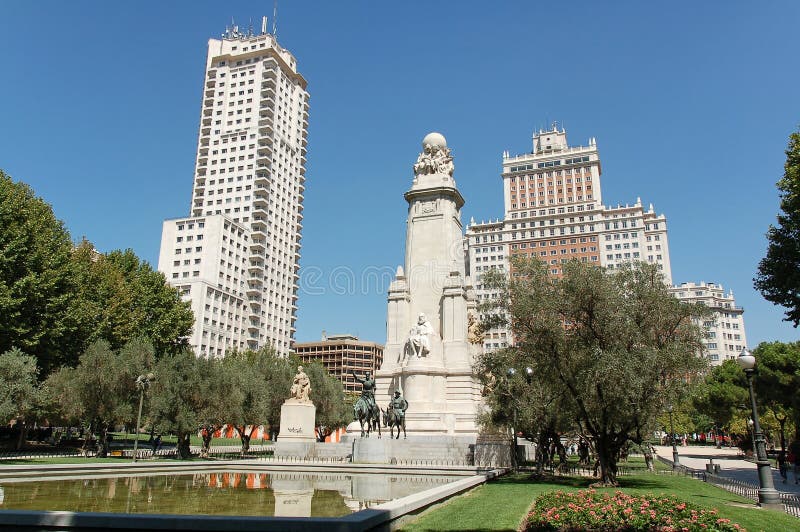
column 222, row 493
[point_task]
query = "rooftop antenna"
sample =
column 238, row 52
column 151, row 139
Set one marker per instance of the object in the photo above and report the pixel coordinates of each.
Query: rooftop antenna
column 275, row 19
column 263, row 25
column 250, row 28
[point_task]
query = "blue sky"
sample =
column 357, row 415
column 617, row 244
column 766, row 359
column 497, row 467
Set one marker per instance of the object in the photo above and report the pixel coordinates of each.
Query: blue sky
column 691, row 104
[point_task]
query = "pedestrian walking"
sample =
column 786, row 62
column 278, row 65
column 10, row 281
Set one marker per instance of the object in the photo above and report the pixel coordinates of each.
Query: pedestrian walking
column 783, row 466
column 796, row 469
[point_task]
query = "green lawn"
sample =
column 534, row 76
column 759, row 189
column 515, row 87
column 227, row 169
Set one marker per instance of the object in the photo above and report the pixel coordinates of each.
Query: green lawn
column 502, row 504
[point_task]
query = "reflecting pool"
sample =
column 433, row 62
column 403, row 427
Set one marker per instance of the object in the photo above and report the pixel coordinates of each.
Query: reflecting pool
column 277, row 494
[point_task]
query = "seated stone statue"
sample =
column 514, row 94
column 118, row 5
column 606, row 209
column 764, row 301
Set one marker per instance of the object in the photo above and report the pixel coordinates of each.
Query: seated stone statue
column 301, row 386
column 419, row 342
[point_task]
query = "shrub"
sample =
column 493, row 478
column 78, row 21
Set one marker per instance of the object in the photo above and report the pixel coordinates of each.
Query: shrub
column 601, row 512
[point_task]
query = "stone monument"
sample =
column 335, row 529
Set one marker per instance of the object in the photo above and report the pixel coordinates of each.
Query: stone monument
column 298, row 413
column 428, row 355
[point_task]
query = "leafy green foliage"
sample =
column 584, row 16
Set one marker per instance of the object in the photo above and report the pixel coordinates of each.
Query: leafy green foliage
column 723, row 396
column 778, row 277
column 179, row 397
column 56, row 301
column 616, row 347
column 119, row 297
column 101, row 390
column 34, row 275
column 327, row 393
column 19, row 389
column 778, row 380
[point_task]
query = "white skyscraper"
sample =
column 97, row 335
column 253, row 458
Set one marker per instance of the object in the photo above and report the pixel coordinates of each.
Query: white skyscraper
column 236, row 255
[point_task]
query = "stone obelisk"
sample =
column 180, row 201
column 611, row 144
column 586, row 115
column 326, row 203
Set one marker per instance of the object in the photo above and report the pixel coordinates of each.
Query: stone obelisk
column 428, row 356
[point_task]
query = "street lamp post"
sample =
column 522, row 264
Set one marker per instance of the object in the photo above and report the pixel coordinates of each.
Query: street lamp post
column 767, row 495
column 675, row 459
column 142, row 383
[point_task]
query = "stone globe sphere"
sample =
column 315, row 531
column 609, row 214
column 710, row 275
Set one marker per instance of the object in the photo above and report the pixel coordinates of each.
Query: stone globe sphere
column 434, row 139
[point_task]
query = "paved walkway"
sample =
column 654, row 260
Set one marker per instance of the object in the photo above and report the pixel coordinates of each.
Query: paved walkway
column 733, row 465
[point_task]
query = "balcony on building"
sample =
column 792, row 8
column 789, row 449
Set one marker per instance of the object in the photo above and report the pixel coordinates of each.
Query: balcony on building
column 261, row 201
column 267, row 107
column 268, row 78
column 256, row 267
column 257, row 246
column 265, row 128
column 262, row 180
column 264, row 153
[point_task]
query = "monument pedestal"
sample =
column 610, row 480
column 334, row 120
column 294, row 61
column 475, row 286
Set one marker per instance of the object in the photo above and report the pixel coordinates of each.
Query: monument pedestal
column 297, row 436
column 429, row 354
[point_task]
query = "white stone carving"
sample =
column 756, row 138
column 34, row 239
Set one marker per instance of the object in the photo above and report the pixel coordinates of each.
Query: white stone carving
column 435, row 157
column 301, row 386
column 419, row 341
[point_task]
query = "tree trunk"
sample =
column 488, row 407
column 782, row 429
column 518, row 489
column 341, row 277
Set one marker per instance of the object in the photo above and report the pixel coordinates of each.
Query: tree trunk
column 88, row 439
column 245, row 437
column 207, row 434
column 23, row 429
column 607, row 458
column 184, row 451
column 782, row 423
column 102, row 445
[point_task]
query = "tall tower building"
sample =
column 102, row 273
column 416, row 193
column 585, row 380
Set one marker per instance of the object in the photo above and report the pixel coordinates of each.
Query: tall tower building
column 553, row 211
column 236, row 253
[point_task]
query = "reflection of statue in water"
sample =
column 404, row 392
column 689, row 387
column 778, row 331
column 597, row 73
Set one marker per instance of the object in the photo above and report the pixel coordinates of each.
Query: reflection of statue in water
column 301, row 385
column 419, row 342
column 366, row 410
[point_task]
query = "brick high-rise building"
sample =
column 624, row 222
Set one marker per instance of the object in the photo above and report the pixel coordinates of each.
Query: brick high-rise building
column 554, row 212
column 236, row 253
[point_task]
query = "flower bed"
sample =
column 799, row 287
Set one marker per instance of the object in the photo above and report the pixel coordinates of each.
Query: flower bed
column 590, row 510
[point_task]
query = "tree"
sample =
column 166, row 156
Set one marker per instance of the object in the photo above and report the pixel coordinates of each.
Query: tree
column 778, row 277
column 119, row 297
column 223, row 400
column 523, row 404
column 777, row 382
column 19, row 389
column 617, row 345
column 101, row 390
column 158, row 312
column 34, row 275
column 333, row 408
column 180, row 399
column 251, row 370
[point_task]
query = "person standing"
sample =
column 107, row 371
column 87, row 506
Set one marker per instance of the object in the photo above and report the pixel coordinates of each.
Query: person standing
column 783, row 467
